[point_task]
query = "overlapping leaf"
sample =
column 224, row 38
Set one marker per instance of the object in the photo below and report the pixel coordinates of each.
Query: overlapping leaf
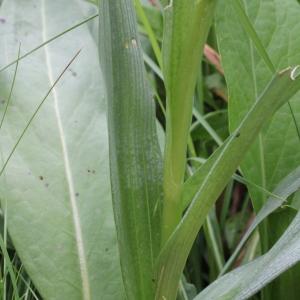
column 186, row 26
column 209, row 181
column 276, row 151
column 135, row 158
column 56, row 185
column 247, row 280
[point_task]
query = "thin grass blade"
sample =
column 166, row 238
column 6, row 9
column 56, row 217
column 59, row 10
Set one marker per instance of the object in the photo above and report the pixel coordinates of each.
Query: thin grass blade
column 247, row 280
column 289, row 185
column 56, row 183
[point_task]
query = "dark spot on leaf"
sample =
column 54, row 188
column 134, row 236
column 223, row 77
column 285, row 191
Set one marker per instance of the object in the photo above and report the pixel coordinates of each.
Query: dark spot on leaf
column 2, row 101
column 73, row 72
column 94, row 172
column 106, row 249
column 41, row 177
column 237, row 135
column 2, row 21
column 89, row 171
column 77, row 194
column 153, row 280
column 46, row 185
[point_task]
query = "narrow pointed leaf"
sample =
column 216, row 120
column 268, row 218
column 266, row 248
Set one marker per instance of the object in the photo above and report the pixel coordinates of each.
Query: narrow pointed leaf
column 247, row 280
column 135, row 158
column 289, row 185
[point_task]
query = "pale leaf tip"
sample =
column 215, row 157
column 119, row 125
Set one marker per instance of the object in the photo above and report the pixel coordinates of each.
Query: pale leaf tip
column 170, row 5
column 295, row 73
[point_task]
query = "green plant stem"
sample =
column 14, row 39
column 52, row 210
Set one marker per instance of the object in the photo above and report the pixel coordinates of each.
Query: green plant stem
column 186, row 28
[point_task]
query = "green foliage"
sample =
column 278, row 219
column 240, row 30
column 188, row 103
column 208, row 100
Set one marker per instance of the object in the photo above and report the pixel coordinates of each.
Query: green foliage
column 207, row 183
column 276, row 152
column 161, row 228
column 135, row 158
column 56, row 185
column 247, row 280
column 185, row 32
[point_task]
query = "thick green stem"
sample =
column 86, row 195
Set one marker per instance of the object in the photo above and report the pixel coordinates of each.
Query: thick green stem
column 185, row 31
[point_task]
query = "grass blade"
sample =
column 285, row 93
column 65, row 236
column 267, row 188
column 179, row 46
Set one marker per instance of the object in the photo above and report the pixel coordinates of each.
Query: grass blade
column 36, row 112
column 10, row 268
column 156, row 49
column 47, row 42
column 289, row 185
column 11, row 89
column 247, row 280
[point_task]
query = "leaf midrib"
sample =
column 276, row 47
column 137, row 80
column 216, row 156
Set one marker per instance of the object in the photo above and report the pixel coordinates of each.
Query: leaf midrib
column 68, row 171
column 260, row 136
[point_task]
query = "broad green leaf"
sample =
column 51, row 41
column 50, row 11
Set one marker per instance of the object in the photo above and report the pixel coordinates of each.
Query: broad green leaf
column 48, row 41
column 276, row 152
column 186, row 25
column 213, row 176
column 247, row 280
column 241, row 61
column 135, row 158
column 56, row 185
